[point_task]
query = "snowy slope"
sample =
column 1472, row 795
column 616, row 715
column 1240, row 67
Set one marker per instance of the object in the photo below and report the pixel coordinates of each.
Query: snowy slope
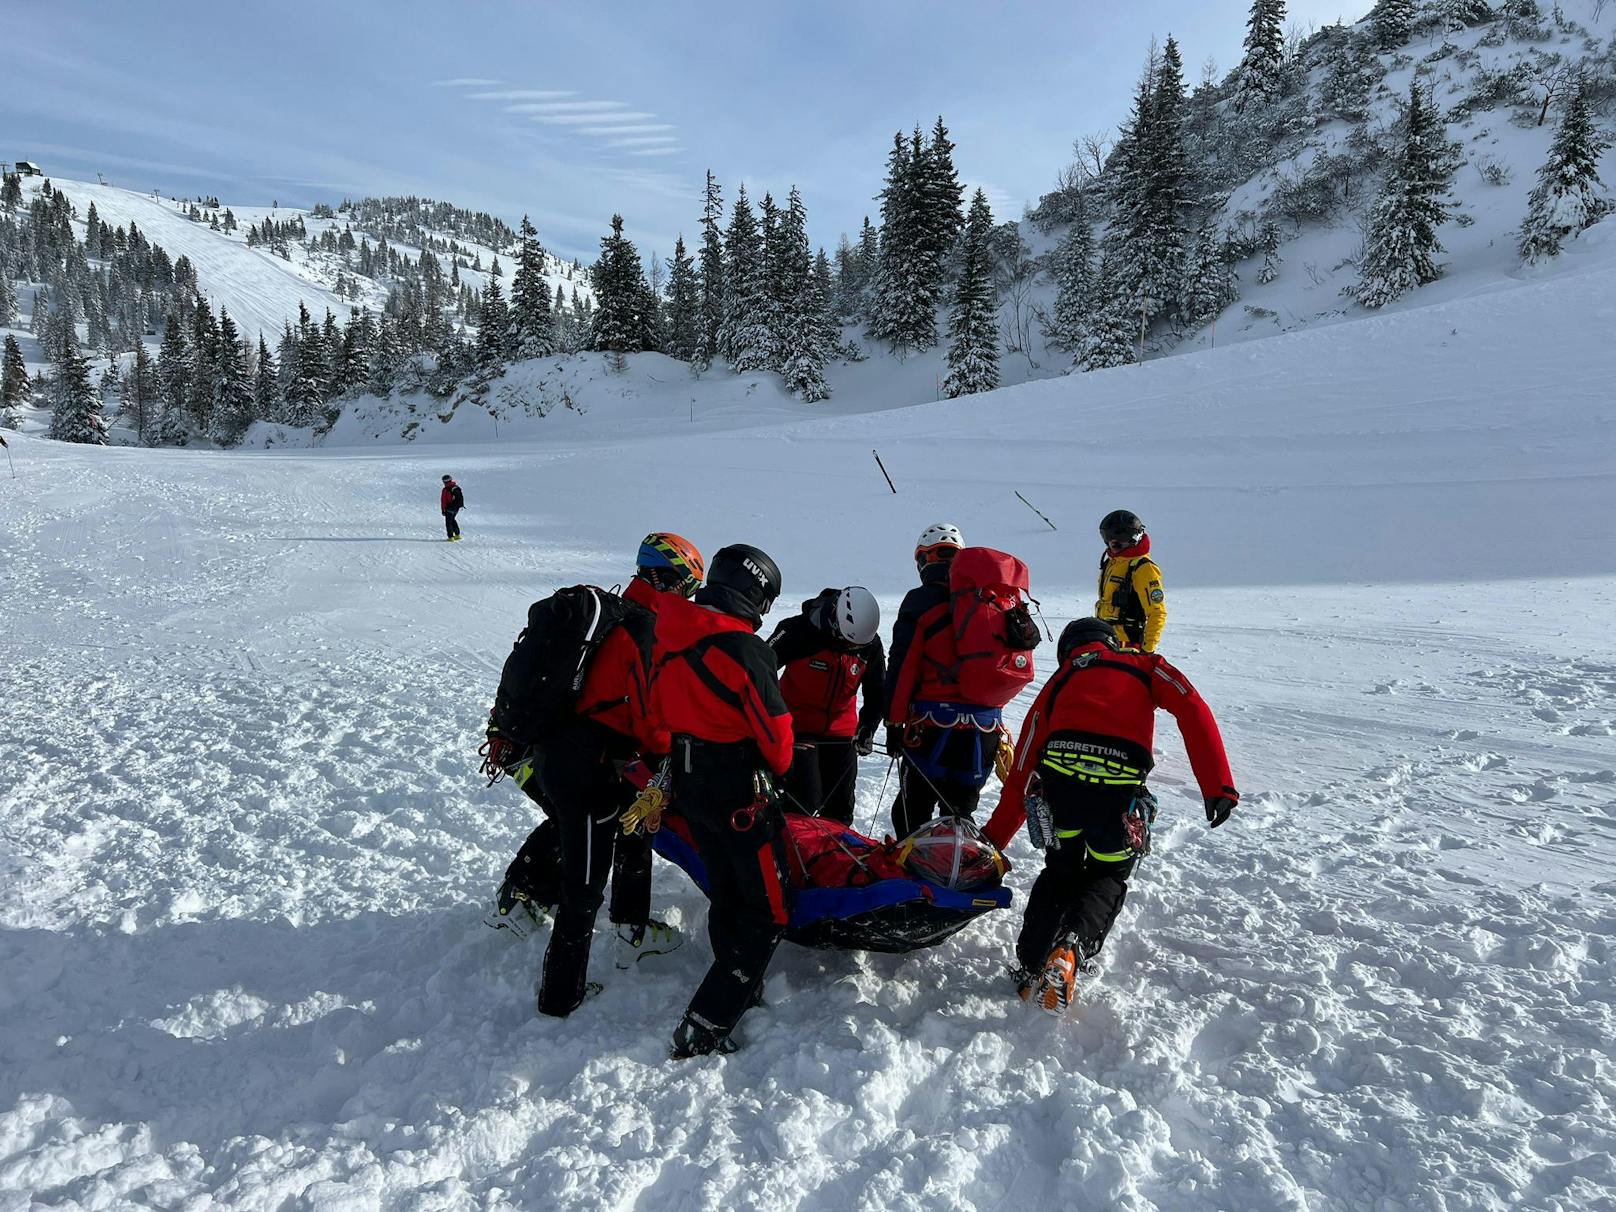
column 244, row 848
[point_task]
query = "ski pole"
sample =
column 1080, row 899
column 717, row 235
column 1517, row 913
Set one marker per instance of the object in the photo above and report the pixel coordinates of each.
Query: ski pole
column 883, row 468
column 1035, row 509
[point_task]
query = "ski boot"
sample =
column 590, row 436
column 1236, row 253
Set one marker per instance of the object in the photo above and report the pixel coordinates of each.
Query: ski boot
column 1056, row 986
column 516, row 911
column 635, row 943
column 693, row 1038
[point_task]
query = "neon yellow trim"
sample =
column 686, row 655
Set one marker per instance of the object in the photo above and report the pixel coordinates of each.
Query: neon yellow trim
column 1115, row 856
column 523, row 773
column 1068, row 833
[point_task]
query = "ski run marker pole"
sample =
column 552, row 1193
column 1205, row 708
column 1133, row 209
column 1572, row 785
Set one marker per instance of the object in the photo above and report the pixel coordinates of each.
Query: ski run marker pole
column 1036, row 510
column 883, row 468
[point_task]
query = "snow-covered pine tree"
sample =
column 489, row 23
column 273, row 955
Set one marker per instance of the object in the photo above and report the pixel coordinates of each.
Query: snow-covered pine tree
column 1149, row 186
column 776, row 280
column 532, row 332
column 232, row 389
column 1569, row 196
column 204, row 365
column 942, row 196
column 909, row 273
column 973, row 324
column 494, row 323
column 713, row 288
column 174, row 371
column 743, row 337
column 10, row 192
column 1113, row 329
column 385, row 358
column 267, row 384
column 619, row 282
column 8, row 300
column 304, row 393
column 76, row 412
column 1391, row 22
column 16, row 389
column 1413, row 203
column 1261, row 74
column 561, row 320
column 684, row 311
column 1209, row 285
column 142, row 395
column 869, row 264
column 1269, row 238
column 1072, row 268
column 799, row 311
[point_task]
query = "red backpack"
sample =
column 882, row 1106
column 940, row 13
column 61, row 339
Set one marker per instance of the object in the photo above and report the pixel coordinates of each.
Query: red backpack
column 994, row 634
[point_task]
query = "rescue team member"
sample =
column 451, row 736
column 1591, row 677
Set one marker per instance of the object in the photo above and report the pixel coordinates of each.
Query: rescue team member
column 1131, row 596
column 574, row 778
column 714, row 691
column 944, row 761
column 1085, row 752
column 451, row 501
column 829, row 654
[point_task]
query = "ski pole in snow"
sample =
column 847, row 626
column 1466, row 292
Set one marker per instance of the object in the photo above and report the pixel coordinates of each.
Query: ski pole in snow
column 883, row 468
column 1036, row 510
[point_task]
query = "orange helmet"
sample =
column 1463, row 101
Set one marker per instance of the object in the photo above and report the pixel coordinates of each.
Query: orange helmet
column 670, row 563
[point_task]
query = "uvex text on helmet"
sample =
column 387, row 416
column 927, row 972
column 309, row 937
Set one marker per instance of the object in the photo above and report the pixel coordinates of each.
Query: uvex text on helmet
column 749, row 572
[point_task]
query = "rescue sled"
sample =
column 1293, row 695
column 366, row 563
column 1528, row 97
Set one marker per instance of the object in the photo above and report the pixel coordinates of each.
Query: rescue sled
column 852, row 893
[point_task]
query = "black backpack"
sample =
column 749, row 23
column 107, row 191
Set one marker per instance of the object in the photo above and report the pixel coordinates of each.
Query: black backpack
column 538, row 688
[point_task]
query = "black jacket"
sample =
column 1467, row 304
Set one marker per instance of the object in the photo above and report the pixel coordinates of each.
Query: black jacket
column 932, row 591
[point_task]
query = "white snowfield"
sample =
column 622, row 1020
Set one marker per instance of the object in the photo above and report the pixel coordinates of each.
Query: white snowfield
column 244, row 852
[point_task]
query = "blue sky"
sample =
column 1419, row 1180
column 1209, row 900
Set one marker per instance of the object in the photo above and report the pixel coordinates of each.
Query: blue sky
column 570, row 111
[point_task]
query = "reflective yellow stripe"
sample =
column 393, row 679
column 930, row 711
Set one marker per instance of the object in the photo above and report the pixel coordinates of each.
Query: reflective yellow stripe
column 523, row 773
column 1090, row 768
column 1068, row 833
column 1114, row 856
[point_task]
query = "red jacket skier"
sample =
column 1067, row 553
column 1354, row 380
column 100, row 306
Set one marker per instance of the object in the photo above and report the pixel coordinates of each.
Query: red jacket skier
column 450, row 502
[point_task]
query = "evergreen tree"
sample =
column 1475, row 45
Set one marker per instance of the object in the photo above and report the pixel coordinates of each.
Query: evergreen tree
column 1113, row 329
column 532, row 331
column 493, row 325
column 16, row 390
column 1148, row 192
column 232, row 388
column 305, row 393
column 1075, row 286
column 941, row 194
column 204, row 365
column 174, row 372
column 266, row 384
column 685, row 315
column 142, row 395
column 1413, row 203
column 386, row 358
column 1209, row 286
column 1261, row 74
column 1271, row 257
column 973, row 325
column 76, row 414
column 777, row 279
column 744, row 336
column 8, row 300
column 1568, row 197
column 620, row 323
column 800, row 337
column 904, row 313
column 714, row 288
column 1391, row 22
column 10, row 192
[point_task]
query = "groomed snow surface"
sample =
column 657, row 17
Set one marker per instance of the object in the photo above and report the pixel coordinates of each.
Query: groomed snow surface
column 244, row 852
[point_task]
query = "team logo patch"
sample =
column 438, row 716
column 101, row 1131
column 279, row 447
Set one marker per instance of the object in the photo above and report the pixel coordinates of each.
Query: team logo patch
column 1156, row 595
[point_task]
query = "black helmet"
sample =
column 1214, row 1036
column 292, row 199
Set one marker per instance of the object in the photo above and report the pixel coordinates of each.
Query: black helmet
column 1120, row 525
column 741, row 580
column 1081, row 632
column 448, row 479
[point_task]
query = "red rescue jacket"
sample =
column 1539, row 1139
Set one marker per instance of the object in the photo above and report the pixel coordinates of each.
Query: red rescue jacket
column 617, row 689
column 715, row 680
column 1112, row 695
column 451, row 497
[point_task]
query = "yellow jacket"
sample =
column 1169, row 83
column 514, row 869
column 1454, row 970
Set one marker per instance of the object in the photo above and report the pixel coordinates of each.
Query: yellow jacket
column 1132, row 599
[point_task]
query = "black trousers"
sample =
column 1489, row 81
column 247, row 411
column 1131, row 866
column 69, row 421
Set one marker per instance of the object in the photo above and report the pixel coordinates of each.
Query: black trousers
column 1083, row 885
column 823, row 778
column 951, row 786
column 450, row 524
column 745, row 863
column 583, row 795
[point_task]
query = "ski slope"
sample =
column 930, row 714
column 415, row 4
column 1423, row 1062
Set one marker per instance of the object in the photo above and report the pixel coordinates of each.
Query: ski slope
column 244, row 852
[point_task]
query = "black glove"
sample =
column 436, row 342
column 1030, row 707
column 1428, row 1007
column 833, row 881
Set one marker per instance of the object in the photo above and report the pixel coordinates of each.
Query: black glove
column 1218, row 807
column 864, row 743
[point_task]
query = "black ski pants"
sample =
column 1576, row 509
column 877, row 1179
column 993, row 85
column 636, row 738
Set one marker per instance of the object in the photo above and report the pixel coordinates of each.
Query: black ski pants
column 823, row 778
column 1083, row 884
column 451, row 523
column 585, row 796
column 951, row 785
column 738, row 833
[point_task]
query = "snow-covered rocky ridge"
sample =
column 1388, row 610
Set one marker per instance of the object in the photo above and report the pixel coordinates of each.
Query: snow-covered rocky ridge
column 244, row 849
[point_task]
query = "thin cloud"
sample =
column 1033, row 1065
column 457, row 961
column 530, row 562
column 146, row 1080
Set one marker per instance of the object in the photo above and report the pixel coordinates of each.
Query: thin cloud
column 657, row 151
column 643, row 141
column 619, row 129
column 644, row 128
column 568, row 107
column 465, row 82
column 522, row 94
column 582, row 119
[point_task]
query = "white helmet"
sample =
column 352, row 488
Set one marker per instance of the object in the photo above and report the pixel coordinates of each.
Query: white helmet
column 938, row 542
column 855, row 615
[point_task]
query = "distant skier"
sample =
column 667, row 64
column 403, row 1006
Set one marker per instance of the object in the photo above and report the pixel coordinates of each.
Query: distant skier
column 1131, row 596
column 451, row 500
column 715, row 694
column 1079, row 772
column 828, row 654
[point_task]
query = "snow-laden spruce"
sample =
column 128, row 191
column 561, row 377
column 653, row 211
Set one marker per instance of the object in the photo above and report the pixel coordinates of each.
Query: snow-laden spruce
column 1401, row 247
column 973, row 323
column 1569, row 197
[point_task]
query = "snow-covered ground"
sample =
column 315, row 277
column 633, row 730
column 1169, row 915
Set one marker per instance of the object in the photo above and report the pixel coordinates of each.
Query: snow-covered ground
column 243, row 850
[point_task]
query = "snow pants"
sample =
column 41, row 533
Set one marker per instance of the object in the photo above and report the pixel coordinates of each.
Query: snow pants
column 1083, row 884
column 450, row 523
column 951, row 781
column 536, row 869
column 823, row 778
column 739, row 837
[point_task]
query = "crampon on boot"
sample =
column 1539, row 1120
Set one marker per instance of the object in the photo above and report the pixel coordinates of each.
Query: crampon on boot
column 693, row 1037
column 516, row 911
column 635, row 943
column 1056, row 985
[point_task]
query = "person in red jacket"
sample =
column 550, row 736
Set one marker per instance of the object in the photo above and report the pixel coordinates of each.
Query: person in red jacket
column 574, row 777
column 828, row 654
column 1082, row 761
column 714, row 692
column 451, row 501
